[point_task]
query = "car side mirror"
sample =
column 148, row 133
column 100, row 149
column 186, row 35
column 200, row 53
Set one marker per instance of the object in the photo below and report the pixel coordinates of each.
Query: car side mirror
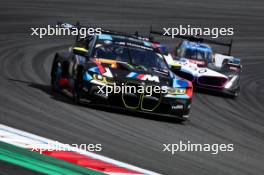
column 80, row 51
column 176, row 67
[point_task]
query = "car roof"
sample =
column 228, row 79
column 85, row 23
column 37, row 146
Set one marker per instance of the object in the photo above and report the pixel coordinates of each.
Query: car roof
column 128, row 39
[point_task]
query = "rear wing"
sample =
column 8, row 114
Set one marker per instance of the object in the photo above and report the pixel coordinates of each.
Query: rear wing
column 195, row 39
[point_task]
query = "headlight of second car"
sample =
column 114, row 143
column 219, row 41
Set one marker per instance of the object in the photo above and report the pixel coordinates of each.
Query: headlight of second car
column 176, row 91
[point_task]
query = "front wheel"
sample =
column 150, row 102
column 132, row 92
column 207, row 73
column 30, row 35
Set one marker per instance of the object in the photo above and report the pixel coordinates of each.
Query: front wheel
column 56, row 72
column 59, row 73
column 236, row 92
column 78, row 85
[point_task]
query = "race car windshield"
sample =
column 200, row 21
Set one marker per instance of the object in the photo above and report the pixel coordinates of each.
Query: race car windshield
column 133, row 55
column 196, row 54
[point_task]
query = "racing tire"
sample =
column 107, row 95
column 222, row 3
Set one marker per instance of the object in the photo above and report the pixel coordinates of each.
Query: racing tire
column 54, row 74
column 78, row 85
column 59, row 69
column 236, row 92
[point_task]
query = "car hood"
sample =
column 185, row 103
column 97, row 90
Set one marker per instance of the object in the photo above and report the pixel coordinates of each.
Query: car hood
column 122, row 72
column 192, row 67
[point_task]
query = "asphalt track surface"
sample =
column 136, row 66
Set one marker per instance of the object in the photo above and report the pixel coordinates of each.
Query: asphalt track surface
column 10, row 169
column 27, row 103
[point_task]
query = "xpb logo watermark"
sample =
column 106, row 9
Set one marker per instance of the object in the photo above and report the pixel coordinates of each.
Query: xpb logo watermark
column 64, row 31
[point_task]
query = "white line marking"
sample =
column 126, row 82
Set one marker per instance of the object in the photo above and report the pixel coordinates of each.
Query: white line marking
column 27, row 140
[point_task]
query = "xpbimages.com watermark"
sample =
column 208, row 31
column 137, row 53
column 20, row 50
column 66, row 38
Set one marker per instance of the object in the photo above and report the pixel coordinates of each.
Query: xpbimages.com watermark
column 197, row 31
column 56, row 146
column 197, row 147
column 140, row 89
column 58, row 30
column 187, row 30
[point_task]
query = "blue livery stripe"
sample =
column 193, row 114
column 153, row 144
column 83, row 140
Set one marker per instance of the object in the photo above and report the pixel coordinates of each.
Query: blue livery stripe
column 147, row 44
column 179, row 83
column 132, row 75
column 87, row 76
column 94, row 69
column 105, row 37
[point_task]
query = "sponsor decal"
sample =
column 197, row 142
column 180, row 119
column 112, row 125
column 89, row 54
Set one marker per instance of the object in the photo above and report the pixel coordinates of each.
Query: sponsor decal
column 144, row 77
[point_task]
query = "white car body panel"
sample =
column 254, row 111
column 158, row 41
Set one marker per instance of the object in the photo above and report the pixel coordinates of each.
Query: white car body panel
column 187, row 66
column 219, row 58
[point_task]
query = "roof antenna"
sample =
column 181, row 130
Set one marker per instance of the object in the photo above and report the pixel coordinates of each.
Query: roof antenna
column 150, row 30
column 151, row 38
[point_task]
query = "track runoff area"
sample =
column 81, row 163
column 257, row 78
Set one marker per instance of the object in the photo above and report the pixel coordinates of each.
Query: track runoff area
column 47, row 156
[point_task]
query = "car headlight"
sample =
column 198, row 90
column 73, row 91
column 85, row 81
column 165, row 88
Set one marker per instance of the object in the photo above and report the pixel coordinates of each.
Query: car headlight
column 103, row 79
column 231, row 81
column 176, row 91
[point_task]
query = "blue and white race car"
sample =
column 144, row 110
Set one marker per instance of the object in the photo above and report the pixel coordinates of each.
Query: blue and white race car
column 206, row 70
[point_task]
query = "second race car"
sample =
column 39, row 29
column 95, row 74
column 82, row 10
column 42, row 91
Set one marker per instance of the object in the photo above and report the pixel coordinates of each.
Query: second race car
column 207, row 70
